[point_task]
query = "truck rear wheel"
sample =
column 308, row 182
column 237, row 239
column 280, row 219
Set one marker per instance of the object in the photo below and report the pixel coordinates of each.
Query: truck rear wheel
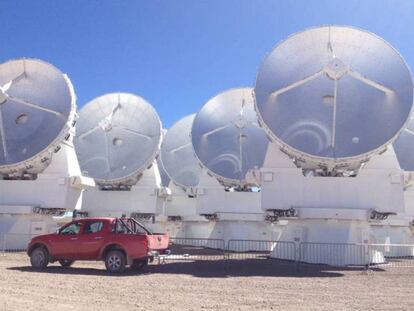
column 66, row 262
column 39, row 258
column 138, row 264
column 115, row 261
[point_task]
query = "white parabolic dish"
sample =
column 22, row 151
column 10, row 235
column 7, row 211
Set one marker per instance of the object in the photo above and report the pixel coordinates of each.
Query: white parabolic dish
column 37, row 111
column 227, row 138
column 117, row 137
column 177, row 154
column 333, row 96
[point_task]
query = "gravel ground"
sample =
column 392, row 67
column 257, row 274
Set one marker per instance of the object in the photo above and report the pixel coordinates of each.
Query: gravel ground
column 239, row 285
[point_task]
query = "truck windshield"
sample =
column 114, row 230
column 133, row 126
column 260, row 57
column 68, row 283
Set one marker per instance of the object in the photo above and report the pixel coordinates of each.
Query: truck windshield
column 130, row 226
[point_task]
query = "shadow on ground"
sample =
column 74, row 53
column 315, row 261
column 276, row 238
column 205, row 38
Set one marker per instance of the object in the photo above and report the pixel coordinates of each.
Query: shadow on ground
column 210, row 269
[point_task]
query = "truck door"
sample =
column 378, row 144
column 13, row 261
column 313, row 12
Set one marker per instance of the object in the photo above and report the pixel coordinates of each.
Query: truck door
column 92, row 239
column 66, row 242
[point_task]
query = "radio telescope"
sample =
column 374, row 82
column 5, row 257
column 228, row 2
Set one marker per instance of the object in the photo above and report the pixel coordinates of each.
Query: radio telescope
column 118, row 137
column 177, row 154
column 37, row 111
column 227, row 138
column 333, row 96
column 39, row 172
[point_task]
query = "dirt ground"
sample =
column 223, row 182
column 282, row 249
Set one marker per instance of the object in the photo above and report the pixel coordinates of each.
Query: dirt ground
column 238, row 285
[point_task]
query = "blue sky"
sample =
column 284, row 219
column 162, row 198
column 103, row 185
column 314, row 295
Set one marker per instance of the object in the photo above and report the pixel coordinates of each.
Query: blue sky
column 178, row 54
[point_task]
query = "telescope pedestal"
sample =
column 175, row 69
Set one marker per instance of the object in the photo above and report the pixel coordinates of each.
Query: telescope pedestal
column 27, row 207
column 337, row 210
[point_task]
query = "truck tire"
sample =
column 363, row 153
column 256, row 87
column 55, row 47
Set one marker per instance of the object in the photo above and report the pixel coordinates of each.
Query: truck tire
column 39, row 258
column 138, row 264
column 115, row 261
column 66, row 262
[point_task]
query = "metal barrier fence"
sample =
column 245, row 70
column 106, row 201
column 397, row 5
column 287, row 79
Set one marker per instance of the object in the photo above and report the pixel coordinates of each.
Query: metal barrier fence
column 333, row 254
column 303, row 254
column 259, row 249
column 387, row 256
column 196, row 249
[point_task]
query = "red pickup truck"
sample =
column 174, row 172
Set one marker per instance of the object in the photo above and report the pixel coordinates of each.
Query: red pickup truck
column 117, row 241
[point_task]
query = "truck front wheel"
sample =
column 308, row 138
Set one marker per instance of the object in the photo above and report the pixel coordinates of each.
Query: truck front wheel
column 39, row 258
column 115, row 261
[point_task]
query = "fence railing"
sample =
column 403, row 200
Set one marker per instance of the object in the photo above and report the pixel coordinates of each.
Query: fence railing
column 196, row 249
column 333, row 254
column 361, row 256
column 391, row 255
column 259, row 249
